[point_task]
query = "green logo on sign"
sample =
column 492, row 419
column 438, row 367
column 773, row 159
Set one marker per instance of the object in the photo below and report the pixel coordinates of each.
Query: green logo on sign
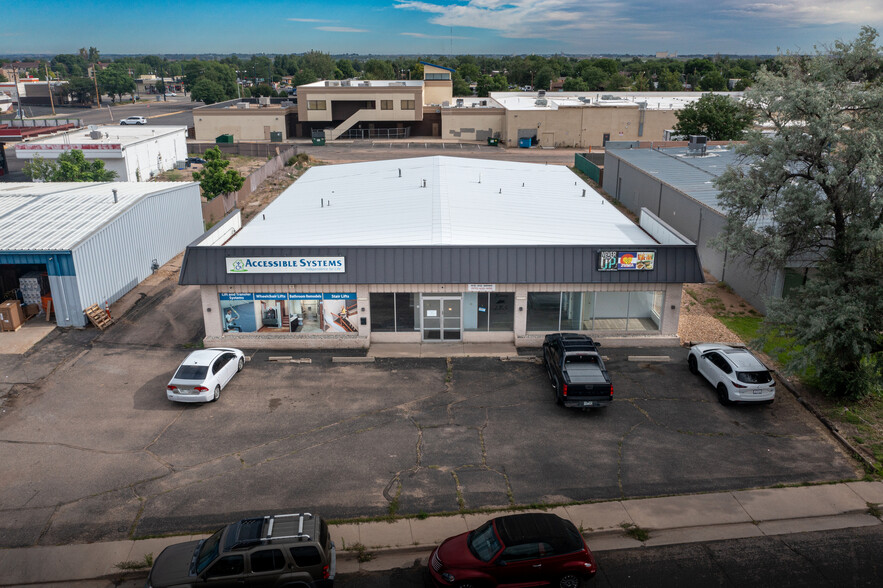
column 238, row 266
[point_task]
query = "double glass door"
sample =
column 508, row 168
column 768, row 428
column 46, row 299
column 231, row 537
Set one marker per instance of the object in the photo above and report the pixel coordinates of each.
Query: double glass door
column 442, row 318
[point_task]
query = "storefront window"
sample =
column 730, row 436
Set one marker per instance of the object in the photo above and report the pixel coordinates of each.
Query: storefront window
column 383, row 313
column 543, row 310
column 393, row 312
column 289, row 313
column 594, row 311
column 489, row 311
column 406, row 312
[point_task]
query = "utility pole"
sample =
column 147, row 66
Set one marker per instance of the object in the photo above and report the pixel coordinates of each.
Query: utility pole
column 49, row 86
column 21, row 113
column 95, row 79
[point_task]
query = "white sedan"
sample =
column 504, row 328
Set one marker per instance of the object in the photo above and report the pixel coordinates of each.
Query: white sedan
column 734, row 372
column 203, row 374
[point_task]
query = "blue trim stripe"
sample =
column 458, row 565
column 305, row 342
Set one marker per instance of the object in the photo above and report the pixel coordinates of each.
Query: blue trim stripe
column 57, row 263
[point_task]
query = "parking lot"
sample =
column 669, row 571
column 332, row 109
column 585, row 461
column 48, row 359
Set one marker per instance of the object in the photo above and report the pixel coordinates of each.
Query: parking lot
column 93, row 450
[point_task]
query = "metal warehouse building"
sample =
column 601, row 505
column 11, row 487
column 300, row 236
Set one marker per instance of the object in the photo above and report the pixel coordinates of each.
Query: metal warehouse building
column 678, row 187
column 439, row 249
column 92, row 242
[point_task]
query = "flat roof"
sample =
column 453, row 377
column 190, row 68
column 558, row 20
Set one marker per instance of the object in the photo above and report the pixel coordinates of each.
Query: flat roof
column 123, row 135
column 690, row 174
column 556, row 100
column 363, row 84
column 58, row 216
column 464, row 202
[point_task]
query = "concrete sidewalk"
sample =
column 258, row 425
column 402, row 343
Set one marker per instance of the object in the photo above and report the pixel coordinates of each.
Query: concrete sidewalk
column 667, row 520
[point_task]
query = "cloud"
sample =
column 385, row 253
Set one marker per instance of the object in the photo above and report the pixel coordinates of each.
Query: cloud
column 425, row 36
column 342, row 30
column 808, row 12
column 308, row 20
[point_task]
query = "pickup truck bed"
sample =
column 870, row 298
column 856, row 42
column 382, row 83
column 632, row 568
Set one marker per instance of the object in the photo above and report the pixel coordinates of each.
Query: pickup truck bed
column 576, row 370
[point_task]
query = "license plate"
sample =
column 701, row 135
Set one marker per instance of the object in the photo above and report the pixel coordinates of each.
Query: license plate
column 589, row 403
column 758, row 391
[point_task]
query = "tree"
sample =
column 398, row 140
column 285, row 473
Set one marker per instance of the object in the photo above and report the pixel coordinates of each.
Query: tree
column 115, row 80
column 817, row 185
column 346, row 69
column 669, row 81
column 575, row 85
column 377, row 69
column 718, row 117
column 215, row 179
column 460, row 86
column 82, row 89
column 71, row 166
column 207, row 91
column 713, row 81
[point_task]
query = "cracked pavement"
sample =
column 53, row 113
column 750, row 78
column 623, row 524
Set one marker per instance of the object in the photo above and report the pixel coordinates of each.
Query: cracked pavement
column 92, row 450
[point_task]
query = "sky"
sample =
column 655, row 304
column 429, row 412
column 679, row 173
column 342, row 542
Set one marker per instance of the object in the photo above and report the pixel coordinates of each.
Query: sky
column 434, row 27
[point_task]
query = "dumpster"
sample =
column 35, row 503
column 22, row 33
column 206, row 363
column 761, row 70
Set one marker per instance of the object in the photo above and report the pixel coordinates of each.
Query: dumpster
column 319, row 141
column 493, row 141
column 224, row 139
column 524, row 142
column 275, row 136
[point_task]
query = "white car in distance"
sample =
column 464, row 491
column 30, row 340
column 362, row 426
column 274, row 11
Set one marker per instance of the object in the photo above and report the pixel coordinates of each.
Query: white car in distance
column 134, row 120
column 734, row 372
column 203, row 374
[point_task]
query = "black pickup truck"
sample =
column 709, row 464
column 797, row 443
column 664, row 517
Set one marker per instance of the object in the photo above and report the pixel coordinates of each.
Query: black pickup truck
column 579, row 378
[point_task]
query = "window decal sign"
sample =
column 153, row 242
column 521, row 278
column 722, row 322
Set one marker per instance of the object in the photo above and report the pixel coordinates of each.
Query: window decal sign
column 289, row 312
column 611, row 260
column 285, row 265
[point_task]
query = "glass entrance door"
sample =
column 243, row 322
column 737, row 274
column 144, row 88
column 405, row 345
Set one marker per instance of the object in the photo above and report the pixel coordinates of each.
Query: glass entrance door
column 442, row 318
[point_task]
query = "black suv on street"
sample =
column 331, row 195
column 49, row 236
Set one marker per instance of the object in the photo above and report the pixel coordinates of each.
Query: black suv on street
column 290, row 550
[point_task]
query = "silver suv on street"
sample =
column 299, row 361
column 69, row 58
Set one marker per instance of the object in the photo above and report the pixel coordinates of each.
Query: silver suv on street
column 291, row 550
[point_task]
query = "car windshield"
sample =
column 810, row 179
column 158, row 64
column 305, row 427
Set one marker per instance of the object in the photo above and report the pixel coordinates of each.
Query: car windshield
column 208, row 552
column 191, row 372
column 483, row 542
column 754, row 377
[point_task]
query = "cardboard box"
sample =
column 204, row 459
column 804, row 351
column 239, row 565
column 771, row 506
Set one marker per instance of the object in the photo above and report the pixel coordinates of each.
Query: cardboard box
column 31, row 310
column 11, row 316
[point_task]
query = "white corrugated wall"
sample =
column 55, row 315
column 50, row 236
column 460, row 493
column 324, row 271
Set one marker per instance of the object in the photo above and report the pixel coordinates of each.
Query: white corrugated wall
column 118, row 257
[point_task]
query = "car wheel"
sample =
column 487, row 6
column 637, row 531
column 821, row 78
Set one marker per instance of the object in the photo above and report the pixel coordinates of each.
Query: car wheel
column 217, row 393
column 722, row 395
column 694, row 367
column 241, row 364
column 569, row 581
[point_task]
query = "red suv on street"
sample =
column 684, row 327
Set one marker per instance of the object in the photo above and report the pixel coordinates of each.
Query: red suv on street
column 524, row 549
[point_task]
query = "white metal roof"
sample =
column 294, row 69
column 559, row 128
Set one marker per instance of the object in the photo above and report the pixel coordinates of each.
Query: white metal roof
column 123, row 135
column 58, row 216
column 465, row 202
column 556, row 100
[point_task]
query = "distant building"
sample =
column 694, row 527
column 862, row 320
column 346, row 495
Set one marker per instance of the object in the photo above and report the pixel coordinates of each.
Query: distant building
column 247, row 119
column 135, row 152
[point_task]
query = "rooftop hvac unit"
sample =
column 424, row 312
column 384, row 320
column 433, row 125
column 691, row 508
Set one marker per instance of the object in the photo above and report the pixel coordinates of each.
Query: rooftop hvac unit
column 484, row 102
column 242, row 105
column 286, row 103
column 459, row 103
column 346, row 83
column 366, row 83
column 697, row 145
column 95, row 134
column 541, row 94
column 445, row 104
column 264, row 100
column 541, row 102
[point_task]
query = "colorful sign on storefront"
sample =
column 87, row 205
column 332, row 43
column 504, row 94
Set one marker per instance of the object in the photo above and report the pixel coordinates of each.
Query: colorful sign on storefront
column 275, row 312
column 611, row 261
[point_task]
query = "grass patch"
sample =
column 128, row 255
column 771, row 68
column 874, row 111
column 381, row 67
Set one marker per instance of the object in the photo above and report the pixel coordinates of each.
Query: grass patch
column 362, row 553
column 131, row 565
column 635, row 532
column 748, row 328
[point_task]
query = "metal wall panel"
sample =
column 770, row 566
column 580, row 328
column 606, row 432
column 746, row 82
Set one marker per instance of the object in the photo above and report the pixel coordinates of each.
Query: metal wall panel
column 118, row 257
column 445, row 265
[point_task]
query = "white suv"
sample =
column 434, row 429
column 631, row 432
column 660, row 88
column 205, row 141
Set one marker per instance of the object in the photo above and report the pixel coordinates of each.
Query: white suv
column 134, row 120
column 734, row 372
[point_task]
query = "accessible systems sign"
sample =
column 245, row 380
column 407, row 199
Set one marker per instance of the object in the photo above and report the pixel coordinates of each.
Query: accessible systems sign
column 285, row 265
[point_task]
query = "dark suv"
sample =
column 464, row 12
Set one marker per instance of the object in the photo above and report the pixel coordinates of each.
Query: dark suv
column 291, row 550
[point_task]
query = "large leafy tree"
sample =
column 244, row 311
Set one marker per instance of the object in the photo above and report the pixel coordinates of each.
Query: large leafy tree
column 816, row 186
column 82, row 89
column 71, row 166
column 215, row 179
column 718, row 117
column 116, row 81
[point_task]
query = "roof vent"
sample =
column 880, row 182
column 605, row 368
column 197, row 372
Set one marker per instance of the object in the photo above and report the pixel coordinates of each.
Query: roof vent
column 541, row 94
column 115, row 198
column 697, row 145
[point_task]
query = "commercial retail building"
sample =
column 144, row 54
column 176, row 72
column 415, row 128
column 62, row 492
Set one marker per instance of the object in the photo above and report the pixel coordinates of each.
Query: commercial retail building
column 90, row 243
column 677, row 185
column 438, row 249
column 247, row 119
column 135, row 152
